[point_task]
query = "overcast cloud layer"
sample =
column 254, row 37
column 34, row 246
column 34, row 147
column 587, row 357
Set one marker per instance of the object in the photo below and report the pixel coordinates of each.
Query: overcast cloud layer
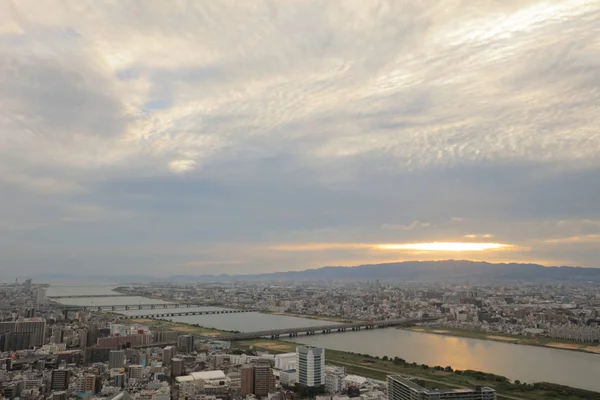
column 191, row 137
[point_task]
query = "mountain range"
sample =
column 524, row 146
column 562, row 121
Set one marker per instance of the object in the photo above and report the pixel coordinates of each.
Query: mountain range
column 432, row 271
column 408, row 271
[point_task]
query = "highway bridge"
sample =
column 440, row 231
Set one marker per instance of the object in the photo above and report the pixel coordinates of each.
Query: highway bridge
column 330, row 328
column 184, row 313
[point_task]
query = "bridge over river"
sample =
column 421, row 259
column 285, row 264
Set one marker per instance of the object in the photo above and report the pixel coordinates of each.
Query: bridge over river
column 329, row 328
column 88, row 296
column 308, row 330
column 148, row 306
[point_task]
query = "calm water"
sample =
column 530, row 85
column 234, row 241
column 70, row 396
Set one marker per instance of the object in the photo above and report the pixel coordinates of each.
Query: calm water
column 98, row 301
column 249, row 322
column 526, row 363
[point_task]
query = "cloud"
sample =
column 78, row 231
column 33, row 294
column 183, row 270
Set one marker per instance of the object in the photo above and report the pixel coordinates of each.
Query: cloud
column 316, row 122
column 409, row 227
column 182, row 166
column 432, row 246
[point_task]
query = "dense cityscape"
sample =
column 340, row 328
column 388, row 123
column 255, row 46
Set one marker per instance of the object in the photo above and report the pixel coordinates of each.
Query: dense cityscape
column 570, row 312
column 56, row 351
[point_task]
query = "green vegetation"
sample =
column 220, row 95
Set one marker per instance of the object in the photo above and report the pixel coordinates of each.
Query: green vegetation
column 193, row 329
column 310, row 316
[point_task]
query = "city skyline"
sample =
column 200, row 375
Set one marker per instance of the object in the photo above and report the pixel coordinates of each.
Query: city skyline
column 206, row 138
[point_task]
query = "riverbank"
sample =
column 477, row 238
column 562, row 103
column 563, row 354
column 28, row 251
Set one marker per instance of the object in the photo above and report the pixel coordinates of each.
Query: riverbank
column 311, row 316
column 378, row 368
column 438, row 376
column 508, row 338
column 188, row 329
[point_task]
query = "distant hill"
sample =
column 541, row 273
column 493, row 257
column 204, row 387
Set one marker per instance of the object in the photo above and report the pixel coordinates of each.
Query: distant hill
column 408, row 271
column 423, row 271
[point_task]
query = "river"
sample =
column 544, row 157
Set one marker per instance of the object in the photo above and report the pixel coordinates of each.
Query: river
column 526, row 363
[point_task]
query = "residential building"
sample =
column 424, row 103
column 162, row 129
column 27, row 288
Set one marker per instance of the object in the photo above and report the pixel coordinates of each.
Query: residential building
column 60, row 379
column 89, row 383
column 407, row 388
column 62, row 395
column 113, row 342
column 310, row 364
column 334, row 379
column 264, row 380
column 36, row 327
column 136, row 371
column 40, row 296
column 116, row 359
column 177, row 367
column 247, row 385
column 168, row 353
column 185, row 343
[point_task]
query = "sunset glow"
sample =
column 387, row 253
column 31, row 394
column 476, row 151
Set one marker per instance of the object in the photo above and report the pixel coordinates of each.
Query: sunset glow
column 443, row 246
column 428, row 246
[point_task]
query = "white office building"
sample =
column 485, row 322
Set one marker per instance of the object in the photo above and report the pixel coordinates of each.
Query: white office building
column 285, row 361
column 310, row 364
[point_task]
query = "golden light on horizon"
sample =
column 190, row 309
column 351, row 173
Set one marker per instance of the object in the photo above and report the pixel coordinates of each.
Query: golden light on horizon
column 424, row 246
column 443, row 246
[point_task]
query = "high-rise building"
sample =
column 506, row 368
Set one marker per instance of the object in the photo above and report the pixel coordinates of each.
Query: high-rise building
column 118, row 380
column 247, row 384
column 310, row 364
column 34, row 326
column 264, row 380
column 165, row 336
column 60, row 379
column 15, row 341
column 114, row 342
column 37, row 328
column 143, row 359
column 116, row 359
column 185, row 343
column 40, row 296
column 177, row 367
column 83, row 338
column 405, row 388
column 89, row 383
column 168, row 353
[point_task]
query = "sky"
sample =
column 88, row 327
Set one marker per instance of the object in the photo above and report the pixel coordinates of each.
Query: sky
column 200, row 137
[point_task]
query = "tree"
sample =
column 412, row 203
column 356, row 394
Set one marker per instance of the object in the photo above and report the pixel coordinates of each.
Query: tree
column 517, row 382
column 385, row 358
column 448, row 369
